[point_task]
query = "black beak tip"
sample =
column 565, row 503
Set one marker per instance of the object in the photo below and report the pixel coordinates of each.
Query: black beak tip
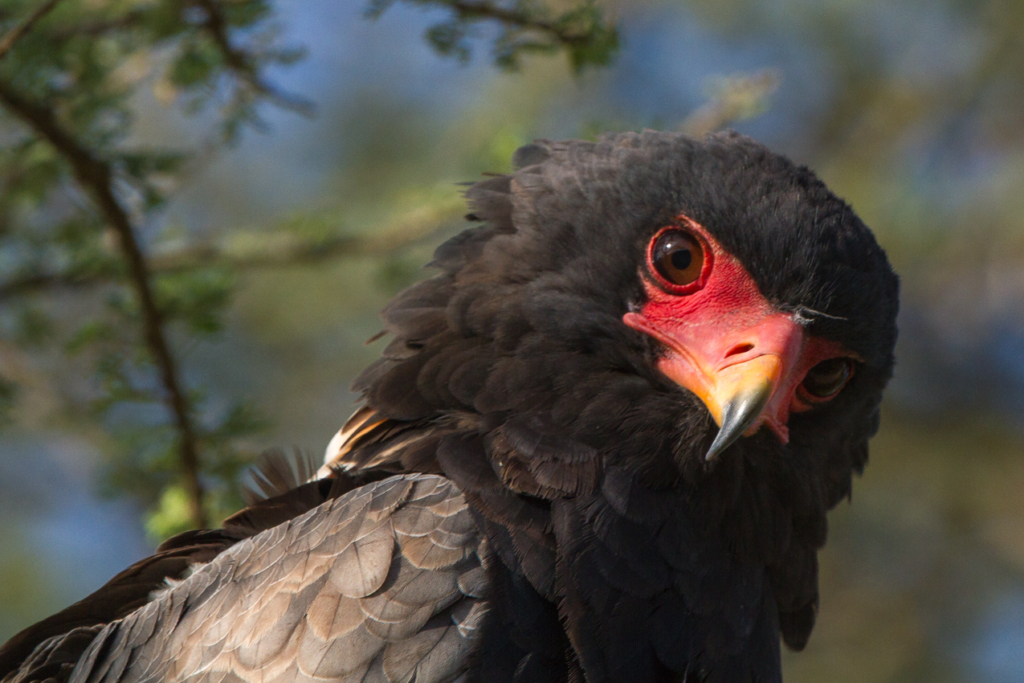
column 738, row 416
column 721, row 442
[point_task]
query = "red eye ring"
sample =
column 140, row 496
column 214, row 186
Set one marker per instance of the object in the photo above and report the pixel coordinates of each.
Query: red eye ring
column 692, row 230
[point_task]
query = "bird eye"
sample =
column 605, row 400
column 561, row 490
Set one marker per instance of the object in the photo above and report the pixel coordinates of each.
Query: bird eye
column 826, row 378
column 678, row 257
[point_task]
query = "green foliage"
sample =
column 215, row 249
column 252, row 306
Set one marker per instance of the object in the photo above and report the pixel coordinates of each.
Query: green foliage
column 525, row 27
column 598, row 41
column 21, row 590
column 196, row 298
column 80, row 206
column 8, row 397
column 83, row 63
column 223, row 460
column 32, row 327
column 170, row 515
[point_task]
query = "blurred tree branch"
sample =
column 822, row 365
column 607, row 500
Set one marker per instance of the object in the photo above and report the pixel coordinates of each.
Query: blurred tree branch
column 281, row 249
column 12, row 36
column 242, row 64
column 95, row 28
column 82, row 117
column 561, row 31
column 734, row 98
column 525, row 27
column 95, row 176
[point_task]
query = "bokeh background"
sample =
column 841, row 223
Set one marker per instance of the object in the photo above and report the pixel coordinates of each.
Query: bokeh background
column 913, row 111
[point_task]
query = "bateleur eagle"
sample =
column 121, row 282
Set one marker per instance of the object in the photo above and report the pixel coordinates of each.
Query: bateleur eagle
column 600, row 446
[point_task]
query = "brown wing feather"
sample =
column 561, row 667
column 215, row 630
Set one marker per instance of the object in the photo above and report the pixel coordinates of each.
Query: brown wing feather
column 382, row 584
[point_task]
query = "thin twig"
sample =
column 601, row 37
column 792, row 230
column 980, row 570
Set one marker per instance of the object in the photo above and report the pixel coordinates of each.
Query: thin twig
column 15, row 34
column 95, row 176
column 36, row 282
column 736, row 98
column 96, row 28
column 240, row 63
column 484, row 10
column 275, row 251
column 287, row 251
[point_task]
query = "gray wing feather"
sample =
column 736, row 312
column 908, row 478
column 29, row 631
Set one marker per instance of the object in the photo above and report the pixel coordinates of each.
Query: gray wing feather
column 55, row 658
column 383, row 584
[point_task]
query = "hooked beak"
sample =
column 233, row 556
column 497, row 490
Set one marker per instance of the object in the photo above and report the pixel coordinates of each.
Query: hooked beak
column 740, row 395
column 743, row 376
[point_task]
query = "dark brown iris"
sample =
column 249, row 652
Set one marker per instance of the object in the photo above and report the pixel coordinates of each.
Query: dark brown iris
column 678, row 257
column 826, row 378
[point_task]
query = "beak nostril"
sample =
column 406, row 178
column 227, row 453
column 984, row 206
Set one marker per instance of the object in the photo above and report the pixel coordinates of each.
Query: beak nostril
column 739, row 348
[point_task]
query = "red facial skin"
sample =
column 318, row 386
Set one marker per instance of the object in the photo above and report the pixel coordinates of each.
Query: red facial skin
column 721, row 335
